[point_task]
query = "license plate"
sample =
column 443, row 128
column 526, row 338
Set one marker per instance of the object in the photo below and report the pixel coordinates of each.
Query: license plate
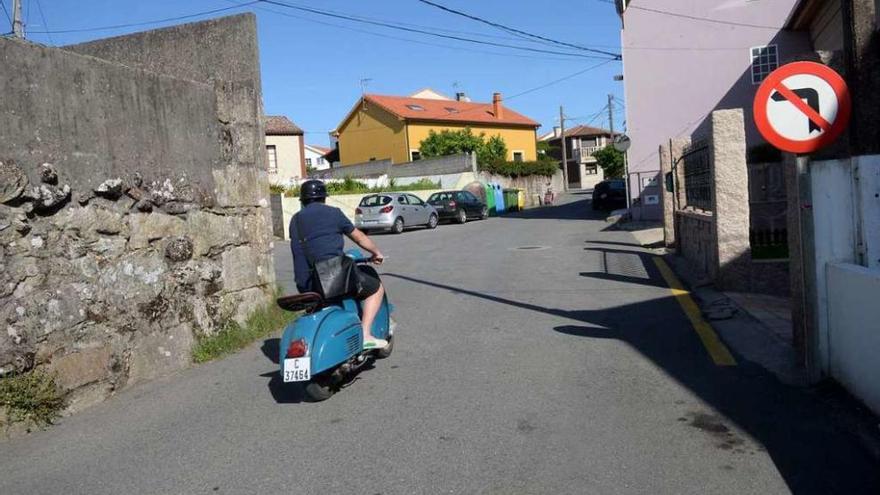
column 369, row 221
column 297, row 369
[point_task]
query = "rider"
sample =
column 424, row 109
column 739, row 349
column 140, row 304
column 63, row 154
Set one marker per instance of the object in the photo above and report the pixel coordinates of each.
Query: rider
column 325, row 226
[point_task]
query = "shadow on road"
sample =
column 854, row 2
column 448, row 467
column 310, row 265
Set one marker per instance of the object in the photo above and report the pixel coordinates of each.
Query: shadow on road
column 578, row 209
column 798, row 427
column 283, row 393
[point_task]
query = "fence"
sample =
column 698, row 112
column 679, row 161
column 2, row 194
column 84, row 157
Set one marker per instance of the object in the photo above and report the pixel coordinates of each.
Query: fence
column 697, row 175
column 768, row 233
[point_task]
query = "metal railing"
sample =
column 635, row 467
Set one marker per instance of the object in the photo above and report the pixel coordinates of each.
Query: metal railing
column 697, row 175
column 585, row 154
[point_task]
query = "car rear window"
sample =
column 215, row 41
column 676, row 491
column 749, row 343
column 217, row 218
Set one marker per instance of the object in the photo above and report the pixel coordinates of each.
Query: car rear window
column 617, row 185
column 375, row 200
column 442, row 196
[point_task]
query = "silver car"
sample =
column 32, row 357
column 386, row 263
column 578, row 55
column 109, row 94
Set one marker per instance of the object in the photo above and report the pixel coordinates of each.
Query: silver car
column 394, row 211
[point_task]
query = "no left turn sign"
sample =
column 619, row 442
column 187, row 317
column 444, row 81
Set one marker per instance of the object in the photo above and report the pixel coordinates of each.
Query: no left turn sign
column 802, row 107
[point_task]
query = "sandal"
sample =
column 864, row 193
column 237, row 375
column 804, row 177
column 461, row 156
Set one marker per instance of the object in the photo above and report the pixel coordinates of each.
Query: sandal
column 375, row 344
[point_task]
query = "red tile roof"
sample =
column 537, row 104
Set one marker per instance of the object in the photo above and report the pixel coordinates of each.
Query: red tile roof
column 448, row 111
column 279, row 125
column 322, row 149
column 585, row 130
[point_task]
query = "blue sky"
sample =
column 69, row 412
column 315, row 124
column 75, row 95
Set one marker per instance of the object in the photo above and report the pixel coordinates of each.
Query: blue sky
column 312, row 71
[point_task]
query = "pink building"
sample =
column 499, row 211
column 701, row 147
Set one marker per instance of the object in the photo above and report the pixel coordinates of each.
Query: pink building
column 685, row 58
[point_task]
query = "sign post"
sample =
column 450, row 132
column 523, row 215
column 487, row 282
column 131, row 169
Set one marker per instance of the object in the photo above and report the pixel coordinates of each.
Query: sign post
column 622, row 144
column 801, row 108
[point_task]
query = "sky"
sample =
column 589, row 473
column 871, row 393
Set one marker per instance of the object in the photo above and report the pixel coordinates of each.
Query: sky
column 313, row 65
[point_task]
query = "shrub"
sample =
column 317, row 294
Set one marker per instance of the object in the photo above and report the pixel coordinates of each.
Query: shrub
column 521, row 169
column 277, row 189
column 449, row 142
column 33, row 398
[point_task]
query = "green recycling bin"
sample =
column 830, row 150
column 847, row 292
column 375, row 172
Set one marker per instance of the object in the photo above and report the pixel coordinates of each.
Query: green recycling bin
column 511, row 199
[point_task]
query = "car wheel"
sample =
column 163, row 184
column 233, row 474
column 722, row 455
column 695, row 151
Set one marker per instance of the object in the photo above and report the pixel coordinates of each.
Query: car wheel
column 432, row 222
column 398, row 226
column 484, row 213
column 462, row 216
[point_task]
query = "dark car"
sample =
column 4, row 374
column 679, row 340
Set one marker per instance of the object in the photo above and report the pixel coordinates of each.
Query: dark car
column 458, row 206
column 609, row 195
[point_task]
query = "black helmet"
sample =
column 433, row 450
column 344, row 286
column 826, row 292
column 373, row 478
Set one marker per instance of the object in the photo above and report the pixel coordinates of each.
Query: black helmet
column 311, row 190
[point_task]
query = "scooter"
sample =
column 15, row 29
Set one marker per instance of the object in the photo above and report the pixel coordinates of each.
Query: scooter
column 325, row 346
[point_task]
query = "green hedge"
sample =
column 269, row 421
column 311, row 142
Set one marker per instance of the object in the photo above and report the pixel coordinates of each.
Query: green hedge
column 352, row 186
column 521, row 169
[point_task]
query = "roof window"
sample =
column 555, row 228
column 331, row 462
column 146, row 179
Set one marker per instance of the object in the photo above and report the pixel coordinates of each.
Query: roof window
column 416, row 107
column 451, row 110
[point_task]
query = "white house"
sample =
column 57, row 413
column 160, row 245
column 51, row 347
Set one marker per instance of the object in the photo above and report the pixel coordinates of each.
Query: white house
column 314, row 157
column 284, row 150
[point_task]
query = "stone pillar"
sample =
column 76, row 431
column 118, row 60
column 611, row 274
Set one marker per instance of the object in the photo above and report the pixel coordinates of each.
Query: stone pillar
column 730, row 198
column 671, row 200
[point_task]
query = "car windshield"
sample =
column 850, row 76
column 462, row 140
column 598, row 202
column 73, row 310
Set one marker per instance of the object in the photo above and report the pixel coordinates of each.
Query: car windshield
column 375, row 200
column 439, row 197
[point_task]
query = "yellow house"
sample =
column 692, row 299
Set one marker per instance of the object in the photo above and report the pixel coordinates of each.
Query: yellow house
column 381, row 127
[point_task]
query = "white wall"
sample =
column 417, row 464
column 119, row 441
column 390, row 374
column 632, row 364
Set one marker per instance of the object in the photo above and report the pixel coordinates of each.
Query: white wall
column 288, row 150
column 316, row 157
column 855, row 339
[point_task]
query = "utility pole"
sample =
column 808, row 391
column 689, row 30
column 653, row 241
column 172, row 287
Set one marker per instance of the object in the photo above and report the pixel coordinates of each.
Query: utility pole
column 564, row 149
column 611, row 114
column 17, row 26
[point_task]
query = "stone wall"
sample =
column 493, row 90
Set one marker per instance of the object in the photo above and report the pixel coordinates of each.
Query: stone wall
column 133, row 202
column 695, row 235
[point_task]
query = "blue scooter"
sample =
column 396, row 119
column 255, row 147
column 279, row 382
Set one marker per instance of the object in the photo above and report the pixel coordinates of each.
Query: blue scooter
column 325, row 345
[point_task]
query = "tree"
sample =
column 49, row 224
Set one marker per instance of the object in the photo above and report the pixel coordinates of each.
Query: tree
column 611, row 162
column 463, row 141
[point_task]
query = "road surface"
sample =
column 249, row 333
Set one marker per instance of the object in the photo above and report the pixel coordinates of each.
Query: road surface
column 535, row 354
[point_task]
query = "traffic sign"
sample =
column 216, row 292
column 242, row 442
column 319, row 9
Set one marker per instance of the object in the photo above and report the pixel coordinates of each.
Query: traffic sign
column 802, row 107
column 622, row 143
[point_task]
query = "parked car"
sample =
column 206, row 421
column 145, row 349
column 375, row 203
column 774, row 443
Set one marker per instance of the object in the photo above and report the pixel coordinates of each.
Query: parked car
column 394, row 211
column 609, row 195
column 458, row 206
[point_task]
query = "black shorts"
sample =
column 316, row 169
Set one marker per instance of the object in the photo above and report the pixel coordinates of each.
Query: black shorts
column 368, row 283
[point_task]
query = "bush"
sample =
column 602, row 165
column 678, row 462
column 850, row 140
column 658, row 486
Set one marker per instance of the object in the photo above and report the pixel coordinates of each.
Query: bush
column 521, row 169
column 32, row 398
column 277, row 189
column 449, row 142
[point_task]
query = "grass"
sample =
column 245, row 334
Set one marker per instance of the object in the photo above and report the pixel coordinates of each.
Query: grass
column 234, row 337
column 33, row 398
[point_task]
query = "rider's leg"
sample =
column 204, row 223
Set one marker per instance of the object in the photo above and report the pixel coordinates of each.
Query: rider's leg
column 370, row 307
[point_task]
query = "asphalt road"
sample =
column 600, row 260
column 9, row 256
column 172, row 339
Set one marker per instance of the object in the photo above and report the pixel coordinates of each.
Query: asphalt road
column 535, row 354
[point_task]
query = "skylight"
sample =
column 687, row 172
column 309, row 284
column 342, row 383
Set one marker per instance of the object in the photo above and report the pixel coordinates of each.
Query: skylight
column 451, row 110
column 416, row 107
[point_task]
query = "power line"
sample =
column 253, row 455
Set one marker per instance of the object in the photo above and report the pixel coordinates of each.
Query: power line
column 145, row 23
column 45, row 24
column 419, row 31
column 697, row 18
column 517, row 31
column 561, row 79
column 8, row 17
column 398, row 38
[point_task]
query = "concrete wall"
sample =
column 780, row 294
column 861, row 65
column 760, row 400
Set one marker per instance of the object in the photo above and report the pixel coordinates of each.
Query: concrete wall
column 676, row 71
column 452, row 164
column 151, row 224
column 289, row 152
column 855, row 340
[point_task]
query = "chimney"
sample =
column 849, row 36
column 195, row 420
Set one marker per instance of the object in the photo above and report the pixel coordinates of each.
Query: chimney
column 497, row 108
column 557, row 131
column 461, row 97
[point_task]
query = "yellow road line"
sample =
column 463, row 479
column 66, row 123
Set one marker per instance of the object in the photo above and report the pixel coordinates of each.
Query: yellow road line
column 717, row 350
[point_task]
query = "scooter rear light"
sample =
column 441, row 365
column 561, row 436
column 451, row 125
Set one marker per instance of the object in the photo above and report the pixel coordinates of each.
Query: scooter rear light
column 387, row 209
column 358, row 211
column 297, row 349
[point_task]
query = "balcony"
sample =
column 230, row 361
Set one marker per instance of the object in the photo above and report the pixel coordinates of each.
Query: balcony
column 585, row 154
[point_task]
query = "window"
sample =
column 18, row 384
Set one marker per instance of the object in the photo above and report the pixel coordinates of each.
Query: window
column 320, row 160
column 273, row 159
column 765, row 59
column 517, row 156
column 402, row 200
column 417, row 108
column 415, row 155
column 375, row 200
column 308, row 162
column 415, row 200
column 592, row 170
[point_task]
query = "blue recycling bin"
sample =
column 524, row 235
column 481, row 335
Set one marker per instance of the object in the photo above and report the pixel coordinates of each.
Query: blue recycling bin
column 499, row 199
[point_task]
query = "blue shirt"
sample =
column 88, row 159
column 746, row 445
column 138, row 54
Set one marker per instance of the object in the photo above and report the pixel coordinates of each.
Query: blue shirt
column 324, row 227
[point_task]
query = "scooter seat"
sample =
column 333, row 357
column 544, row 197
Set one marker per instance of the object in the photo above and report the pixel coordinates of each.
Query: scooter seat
column 300, row 302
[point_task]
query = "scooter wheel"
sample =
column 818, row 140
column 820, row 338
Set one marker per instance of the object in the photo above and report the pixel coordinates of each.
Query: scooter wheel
column 384, row 353
column 319, row 390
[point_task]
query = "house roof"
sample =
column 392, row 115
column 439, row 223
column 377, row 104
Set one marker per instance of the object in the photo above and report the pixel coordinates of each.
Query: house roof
column 320, row 149
column 279, row 125
column 423, row 109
